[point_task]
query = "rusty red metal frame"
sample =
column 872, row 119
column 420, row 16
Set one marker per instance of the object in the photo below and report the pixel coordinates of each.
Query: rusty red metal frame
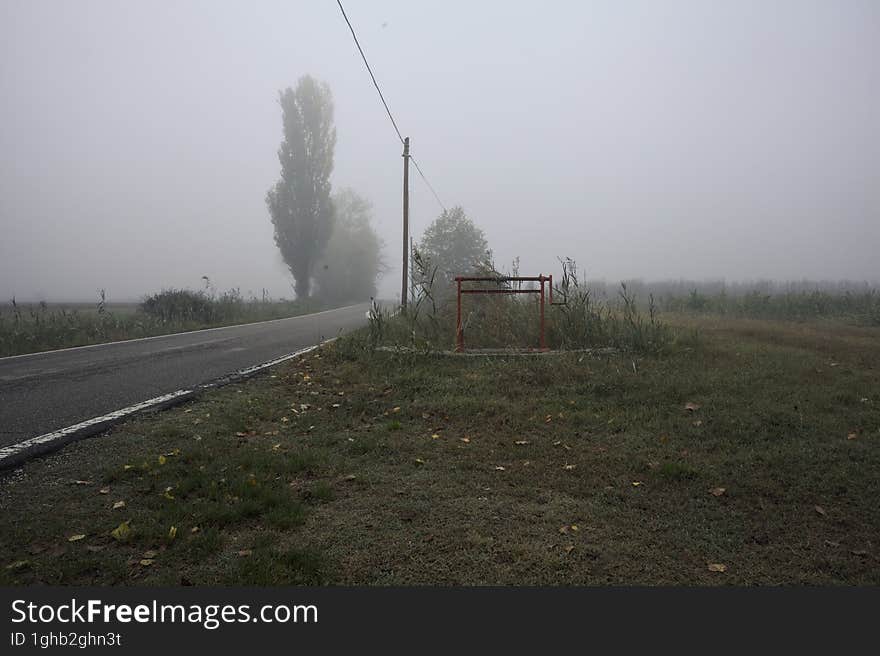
column 541, row 280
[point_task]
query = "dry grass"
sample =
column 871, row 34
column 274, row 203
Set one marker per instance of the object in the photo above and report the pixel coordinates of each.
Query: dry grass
column 406, row 468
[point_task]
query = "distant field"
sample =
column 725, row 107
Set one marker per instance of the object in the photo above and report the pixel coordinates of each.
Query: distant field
column 34, row 327
column 743, row 452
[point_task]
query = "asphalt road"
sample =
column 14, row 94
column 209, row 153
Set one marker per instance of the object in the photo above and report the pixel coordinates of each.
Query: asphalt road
column 44, row 392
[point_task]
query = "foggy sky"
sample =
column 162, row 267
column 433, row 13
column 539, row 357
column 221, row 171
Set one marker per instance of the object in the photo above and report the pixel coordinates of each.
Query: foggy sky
column 655, row 139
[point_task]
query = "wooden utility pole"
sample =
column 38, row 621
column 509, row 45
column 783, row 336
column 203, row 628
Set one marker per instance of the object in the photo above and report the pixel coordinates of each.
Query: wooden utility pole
column 404, row 283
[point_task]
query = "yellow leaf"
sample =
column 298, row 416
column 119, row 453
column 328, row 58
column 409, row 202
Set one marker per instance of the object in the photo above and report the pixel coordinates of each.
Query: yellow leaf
column 76, row 538
column 419, row 461
column 18, row 564
column 146, row 562
column 395, row 409
column 435, row 436
column 717, row 567
column 636, row 483
column 119, row 504
column 162, row 460
column 122, row 532
column 150, row 554
column 172, row 532
column 127, row 467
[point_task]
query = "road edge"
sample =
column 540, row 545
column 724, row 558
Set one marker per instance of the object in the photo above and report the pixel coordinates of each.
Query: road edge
column 17, row 454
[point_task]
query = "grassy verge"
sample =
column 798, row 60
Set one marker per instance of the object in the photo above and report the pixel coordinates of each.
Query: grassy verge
column 753, row 449
column 30, row 328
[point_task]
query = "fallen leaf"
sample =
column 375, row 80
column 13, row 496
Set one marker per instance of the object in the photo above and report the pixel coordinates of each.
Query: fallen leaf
column 76, row 538
column 636, row 483
column 150, row 554
column 435, row 436
column 127, row 467
column 466, row 440
column 717, row 491
column 18, row 564
column 172, row 532
column 419, row 461
column 162, row 460
column 717, row 567
column 499, row 468
column 691, row 407
column 395, row 409
column 122, row 532
column 563, row 529
column 569, row 467
column 820, row 510
column 548, row 419
column 119, row 504
column 195, row 529
column 146, row 562
column 336, row 405
column 245, row 552
column 698, row 423
column 104, row 490
column 521, row 442
column 350, row 477
column 569, row 549
column 82, row 482
column 859, row 552
column 852, row 436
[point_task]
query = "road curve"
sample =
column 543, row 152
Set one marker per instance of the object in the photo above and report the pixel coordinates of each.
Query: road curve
column 44, row 392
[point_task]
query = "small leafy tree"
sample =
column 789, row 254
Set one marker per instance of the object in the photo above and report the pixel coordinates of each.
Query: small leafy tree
column 299, row 203
column 352, row 260
column 455, row 246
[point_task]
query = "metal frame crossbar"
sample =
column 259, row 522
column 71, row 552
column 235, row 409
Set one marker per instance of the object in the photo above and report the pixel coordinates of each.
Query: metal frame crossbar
column 541, row 280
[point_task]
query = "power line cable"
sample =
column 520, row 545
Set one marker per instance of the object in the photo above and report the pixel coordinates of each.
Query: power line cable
column 370, row 70
column 419, row 169
column 387, row 109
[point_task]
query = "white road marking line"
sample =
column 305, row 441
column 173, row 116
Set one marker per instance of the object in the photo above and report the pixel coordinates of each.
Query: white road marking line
column 17, row 449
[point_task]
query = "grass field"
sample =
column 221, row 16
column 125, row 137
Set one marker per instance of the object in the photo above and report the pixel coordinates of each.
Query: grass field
column 746, row 454
column 34, row 327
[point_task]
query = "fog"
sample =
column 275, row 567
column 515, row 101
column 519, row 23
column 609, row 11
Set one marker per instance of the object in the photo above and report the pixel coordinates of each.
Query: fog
column 654, row 140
